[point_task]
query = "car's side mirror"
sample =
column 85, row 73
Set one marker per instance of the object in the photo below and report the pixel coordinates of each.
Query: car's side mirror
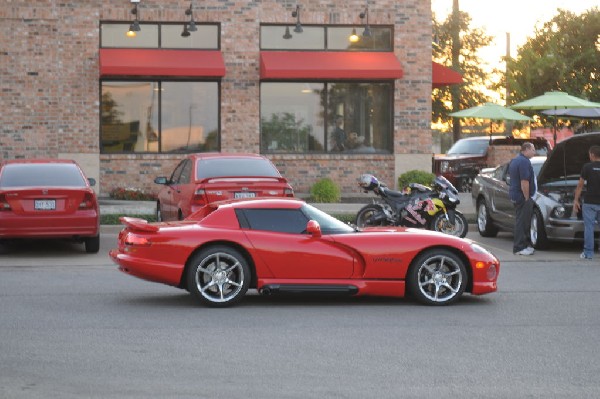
column 161, row 180
column 507, row 179
column 313, row 228
column 92, row 181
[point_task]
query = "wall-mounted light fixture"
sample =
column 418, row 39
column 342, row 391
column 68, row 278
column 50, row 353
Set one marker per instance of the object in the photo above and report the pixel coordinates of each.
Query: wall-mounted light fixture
column 135, row 25
column 296, row 14
column 353, row 37
column 365, row 14
column 189, row 26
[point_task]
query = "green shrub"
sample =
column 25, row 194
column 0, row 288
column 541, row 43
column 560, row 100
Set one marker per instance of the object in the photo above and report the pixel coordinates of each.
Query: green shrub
column 415, row 176
column 131, row 194
column 325, row 190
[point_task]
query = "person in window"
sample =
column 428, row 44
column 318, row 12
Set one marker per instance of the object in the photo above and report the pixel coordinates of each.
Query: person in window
column 339, row 135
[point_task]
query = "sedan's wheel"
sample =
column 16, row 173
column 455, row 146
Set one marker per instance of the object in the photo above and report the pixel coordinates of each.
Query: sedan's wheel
column 218, row 276
column 537, row 231
column 370, row 215
column 441, row 223
column 92, row 244
column 158, row 213
column 437, row 277
column 484, row 221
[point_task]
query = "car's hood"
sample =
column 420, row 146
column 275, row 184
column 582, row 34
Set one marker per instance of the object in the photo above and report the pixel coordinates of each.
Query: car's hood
column 452, row 157
column 568, row 157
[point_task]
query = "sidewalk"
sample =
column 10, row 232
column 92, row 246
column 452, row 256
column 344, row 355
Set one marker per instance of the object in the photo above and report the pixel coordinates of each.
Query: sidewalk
column 119, row 207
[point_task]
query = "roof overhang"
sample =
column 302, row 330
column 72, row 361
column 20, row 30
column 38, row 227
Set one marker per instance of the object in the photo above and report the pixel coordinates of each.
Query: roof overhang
column 329, row 65
column 444, row 76
column 160, row 62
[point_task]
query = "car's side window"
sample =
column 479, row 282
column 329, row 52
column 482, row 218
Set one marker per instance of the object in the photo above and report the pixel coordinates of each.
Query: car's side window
column 186, row 172
column 279, row 220
column 177, row 172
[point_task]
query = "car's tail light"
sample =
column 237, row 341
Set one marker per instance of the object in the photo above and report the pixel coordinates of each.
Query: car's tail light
column 4, row 205
column 88, row 202
column 199, row 197
column 137, row 240
column 288, row 192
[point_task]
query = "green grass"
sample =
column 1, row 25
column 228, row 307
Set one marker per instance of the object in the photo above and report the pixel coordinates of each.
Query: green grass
column 114, row 219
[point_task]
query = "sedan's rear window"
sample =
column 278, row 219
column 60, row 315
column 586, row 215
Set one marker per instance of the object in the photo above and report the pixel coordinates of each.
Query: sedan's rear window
column 41, row 175
column 231, row 167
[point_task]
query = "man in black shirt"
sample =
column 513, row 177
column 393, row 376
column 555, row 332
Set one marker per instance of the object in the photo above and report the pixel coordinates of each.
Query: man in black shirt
column 590, row 177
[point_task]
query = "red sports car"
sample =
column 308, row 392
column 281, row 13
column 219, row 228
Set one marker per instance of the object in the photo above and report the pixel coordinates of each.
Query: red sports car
column 209, row 177
column 48, row 198
column 288, row 246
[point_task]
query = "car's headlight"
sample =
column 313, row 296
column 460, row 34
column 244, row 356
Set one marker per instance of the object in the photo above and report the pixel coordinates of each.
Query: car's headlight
column 559, row 212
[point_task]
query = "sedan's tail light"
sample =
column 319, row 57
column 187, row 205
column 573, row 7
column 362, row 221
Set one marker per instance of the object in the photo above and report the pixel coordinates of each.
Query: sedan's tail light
column 199, row 197
column 88, row 202
column 4, row 205
column 288, row 192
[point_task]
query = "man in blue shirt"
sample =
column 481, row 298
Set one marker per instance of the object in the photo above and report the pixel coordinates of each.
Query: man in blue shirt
column 590, row 178
column 521, row 191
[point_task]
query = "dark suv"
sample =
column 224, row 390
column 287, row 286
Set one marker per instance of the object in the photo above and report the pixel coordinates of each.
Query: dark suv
column 468, row 156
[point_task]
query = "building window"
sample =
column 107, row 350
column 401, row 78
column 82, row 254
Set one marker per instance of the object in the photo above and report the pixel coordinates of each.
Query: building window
column 325, row 38
column 159, row 117
column 313, row 117
column 159, row 35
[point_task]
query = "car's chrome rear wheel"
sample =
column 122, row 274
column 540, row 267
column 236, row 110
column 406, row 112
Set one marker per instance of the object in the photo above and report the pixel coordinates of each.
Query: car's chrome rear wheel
column 484, row 221
column 218, row 276
column 437, row 277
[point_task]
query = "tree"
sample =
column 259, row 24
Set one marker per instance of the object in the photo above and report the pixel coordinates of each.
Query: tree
column 563, row 55
column 444, row 101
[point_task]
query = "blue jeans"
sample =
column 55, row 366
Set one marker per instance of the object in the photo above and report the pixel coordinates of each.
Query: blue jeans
column 591, row 215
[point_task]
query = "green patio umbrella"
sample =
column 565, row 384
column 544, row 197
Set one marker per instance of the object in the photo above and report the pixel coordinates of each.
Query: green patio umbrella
column 491, row 111
column 554, row 100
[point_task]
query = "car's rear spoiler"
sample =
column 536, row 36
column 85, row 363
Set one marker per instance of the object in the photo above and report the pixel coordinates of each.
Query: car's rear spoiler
column 138, row 224
column 242, row 179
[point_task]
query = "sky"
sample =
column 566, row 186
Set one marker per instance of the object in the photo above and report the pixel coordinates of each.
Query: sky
column 518, row 17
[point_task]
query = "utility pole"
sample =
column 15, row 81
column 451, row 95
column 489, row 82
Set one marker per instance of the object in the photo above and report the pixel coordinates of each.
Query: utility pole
column 455, row 90
column 508, row 124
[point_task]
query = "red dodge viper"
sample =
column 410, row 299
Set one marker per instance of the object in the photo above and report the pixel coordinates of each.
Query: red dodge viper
column 288, row 246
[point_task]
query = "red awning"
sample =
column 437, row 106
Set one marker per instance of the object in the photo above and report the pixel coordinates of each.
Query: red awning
column 158, row 62
column 444, row 76
column 328, row 65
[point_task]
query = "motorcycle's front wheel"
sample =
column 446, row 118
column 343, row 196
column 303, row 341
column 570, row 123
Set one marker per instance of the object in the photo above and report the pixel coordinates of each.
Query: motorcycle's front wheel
column 371, row 215
column 441, row 223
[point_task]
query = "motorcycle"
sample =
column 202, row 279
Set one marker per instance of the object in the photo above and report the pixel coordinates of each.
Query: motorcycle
column 433, row 208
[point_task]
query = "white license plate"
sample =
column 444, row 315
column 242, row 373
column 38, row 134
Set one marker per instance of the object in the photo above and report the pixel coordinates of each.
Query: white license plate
column 244, row 195
column 45, row 205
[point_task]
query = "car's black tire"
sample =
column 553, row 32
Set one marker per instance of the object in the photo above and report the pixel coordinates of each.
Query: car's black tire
column 218, row 276
column 439, row 223
column 158, row 212
column 537, row 230
column 484, row 221
column 437, row 277
column 92, row 244
column 367, row 212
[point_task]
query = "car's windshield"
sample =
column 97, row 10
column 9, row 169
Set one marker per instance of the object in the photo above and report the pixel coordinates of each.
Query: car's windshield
column 478, row 147
column 329, row 224
column 41, row 175
column 231, row 167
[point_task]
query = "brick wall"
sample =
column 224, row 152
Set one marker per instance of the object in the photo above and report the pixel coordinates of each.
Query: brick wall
column 50, row 82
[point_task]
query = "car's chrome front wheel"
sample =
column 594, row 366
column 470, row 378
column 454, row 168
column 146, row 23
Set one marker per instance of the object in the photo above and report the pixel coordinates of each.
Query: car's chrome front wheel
column 218, row 276
column 437, row 277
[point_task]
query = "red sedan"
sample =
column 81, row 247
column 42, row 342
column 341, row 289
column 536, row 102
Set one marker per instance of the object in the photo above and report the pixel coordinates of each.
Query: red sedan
column 48, row 198
column 208, row 177
column 288, row 246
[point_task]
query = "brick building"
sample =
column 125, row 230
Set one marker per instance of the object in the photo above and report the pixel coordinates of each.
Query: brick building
column 276, row 77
